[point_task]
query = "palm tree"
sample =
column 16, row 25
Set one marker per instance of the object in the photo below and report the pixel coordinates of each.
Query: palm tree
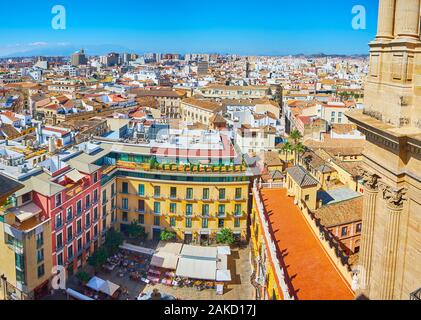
column 287, row 147
column 296, row 136
column 298, row 149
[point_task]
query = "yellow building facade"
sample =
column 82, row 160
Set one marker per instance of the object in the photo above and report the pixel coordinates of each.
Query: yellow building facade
column 194, row 211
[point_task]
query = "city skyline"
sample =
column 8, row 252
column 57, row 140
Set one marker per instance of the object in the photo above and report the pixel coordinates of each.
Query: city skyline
column 188, row 28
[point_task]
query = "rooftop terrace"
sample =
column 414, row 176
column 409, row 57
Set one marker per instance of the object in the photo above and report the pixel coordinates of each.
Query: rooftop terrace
column 310, row 273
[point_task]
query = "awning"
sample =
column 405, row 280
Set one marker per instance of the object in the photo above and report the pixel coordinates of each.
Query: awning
column 196, row 268
column 223, row 275
column 222, row 263
column 75, row 175
column 78, row 295
column 103, row 286
column 109, row 288
column 224, row 250
column 130, row 247
column 26, row 212
column 166, row 255
column 95, row 283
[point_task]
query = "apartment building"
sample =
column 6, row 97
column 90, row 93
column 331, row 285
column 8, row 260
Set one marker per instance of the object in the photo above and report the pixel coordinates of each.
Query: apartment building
column 197, row 110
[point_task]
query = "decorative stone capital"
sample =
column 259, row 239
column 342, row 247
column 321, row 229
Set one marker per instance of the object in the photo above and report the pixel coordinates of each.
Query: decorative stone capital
column 370, row 180
column 395, row 198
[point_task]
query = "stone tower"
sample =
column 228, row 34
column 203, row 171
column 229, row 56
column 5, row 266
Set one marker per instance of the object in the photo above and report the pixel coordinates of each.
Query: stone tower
column 390, row 257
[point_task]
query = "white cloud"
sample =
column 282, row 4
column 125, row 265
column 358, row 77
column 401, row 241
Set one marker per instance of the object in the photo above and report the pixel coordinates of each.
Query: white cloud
column 38, row 44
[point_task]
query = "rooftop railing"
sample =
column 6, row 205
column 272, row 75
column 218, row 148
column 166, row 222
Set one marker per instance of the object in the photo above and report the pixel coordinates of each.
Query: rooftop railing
column 273, row 253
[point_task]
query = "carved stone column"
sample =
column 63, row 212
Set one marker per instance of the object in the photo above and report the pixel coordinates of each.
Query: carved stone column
column 407, row 19
column 371, row 191
column 386, row 20
column 395, row 203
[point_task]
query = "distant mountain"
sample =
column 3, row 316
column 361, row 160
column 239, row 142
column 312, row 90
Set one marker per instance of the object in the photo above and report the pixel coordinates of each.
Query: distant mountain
column 67, row 50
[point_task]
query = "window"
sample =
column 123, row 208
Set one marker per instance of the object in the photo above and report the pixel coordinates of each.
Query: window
column 87, row 220
column 60, row 259
column 125, row 216
column 221, row 223
column 188, row 222
column 41, row 271
column 69, row 234
column 205, row 223
column 344, row 231
column 357, row 249
column 79, row 226
column 88, row 237
column 69, row 213
column 95, row 196
column 58, row 199
column 79, row 245
column 172, row 222
column 40, row 239
column 156, row 220
column 173, row 207
column 141, row 190
column 40, row 255
column 238, row 193
column 88, row 201
column 173, row 192
column 157, row 207
column 206, row 194
column 189, row 193
column 70, row 252
column 157, row 191
column 205, row 210
column 141, row 205
column 189, row 209
column 237, row 210
column 141, row 219
column 95, row 213
column 95, row 231
column 104, row 196
column 125, row 187
column 359, row 225
column 104, row 211
column 221, row 210
column 222, row 194
column 79, row 207
column 307, row 197
column 95, row 177
column 59, row 241
column 113, row 190
column 236, row 222
column 26, row 198
column 59, row 220
column 125, row 204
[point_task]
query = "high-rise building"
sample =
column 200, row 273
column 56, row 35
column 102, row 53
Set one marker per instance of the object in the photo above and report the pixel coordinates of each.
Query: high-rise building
column 202, row 68
column 390, row 256
column 110, row 60
column 79, row 58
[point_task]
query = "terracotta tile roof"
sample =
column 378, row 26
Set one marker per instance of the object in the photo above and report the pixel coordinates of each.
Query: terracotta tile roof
column 340, row 213
column 312, row 275
column 203, row 104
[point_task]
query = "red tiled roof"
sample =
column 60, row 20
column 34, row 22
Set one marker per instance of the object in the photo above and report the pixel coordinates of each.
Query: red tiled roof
column 313, row 275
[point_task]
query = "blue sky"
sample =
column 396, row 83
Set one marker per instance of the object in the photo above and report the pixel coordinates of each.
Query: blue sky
column 224, row 26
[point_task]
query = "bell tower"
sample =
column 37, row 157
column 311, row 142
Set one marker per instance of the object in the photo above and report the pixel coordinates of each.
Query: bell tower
column 390, row 253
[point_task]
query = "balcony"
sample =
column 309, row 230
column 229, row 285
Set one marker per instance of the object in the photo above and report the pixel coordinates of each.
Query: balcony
column 73, row 190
